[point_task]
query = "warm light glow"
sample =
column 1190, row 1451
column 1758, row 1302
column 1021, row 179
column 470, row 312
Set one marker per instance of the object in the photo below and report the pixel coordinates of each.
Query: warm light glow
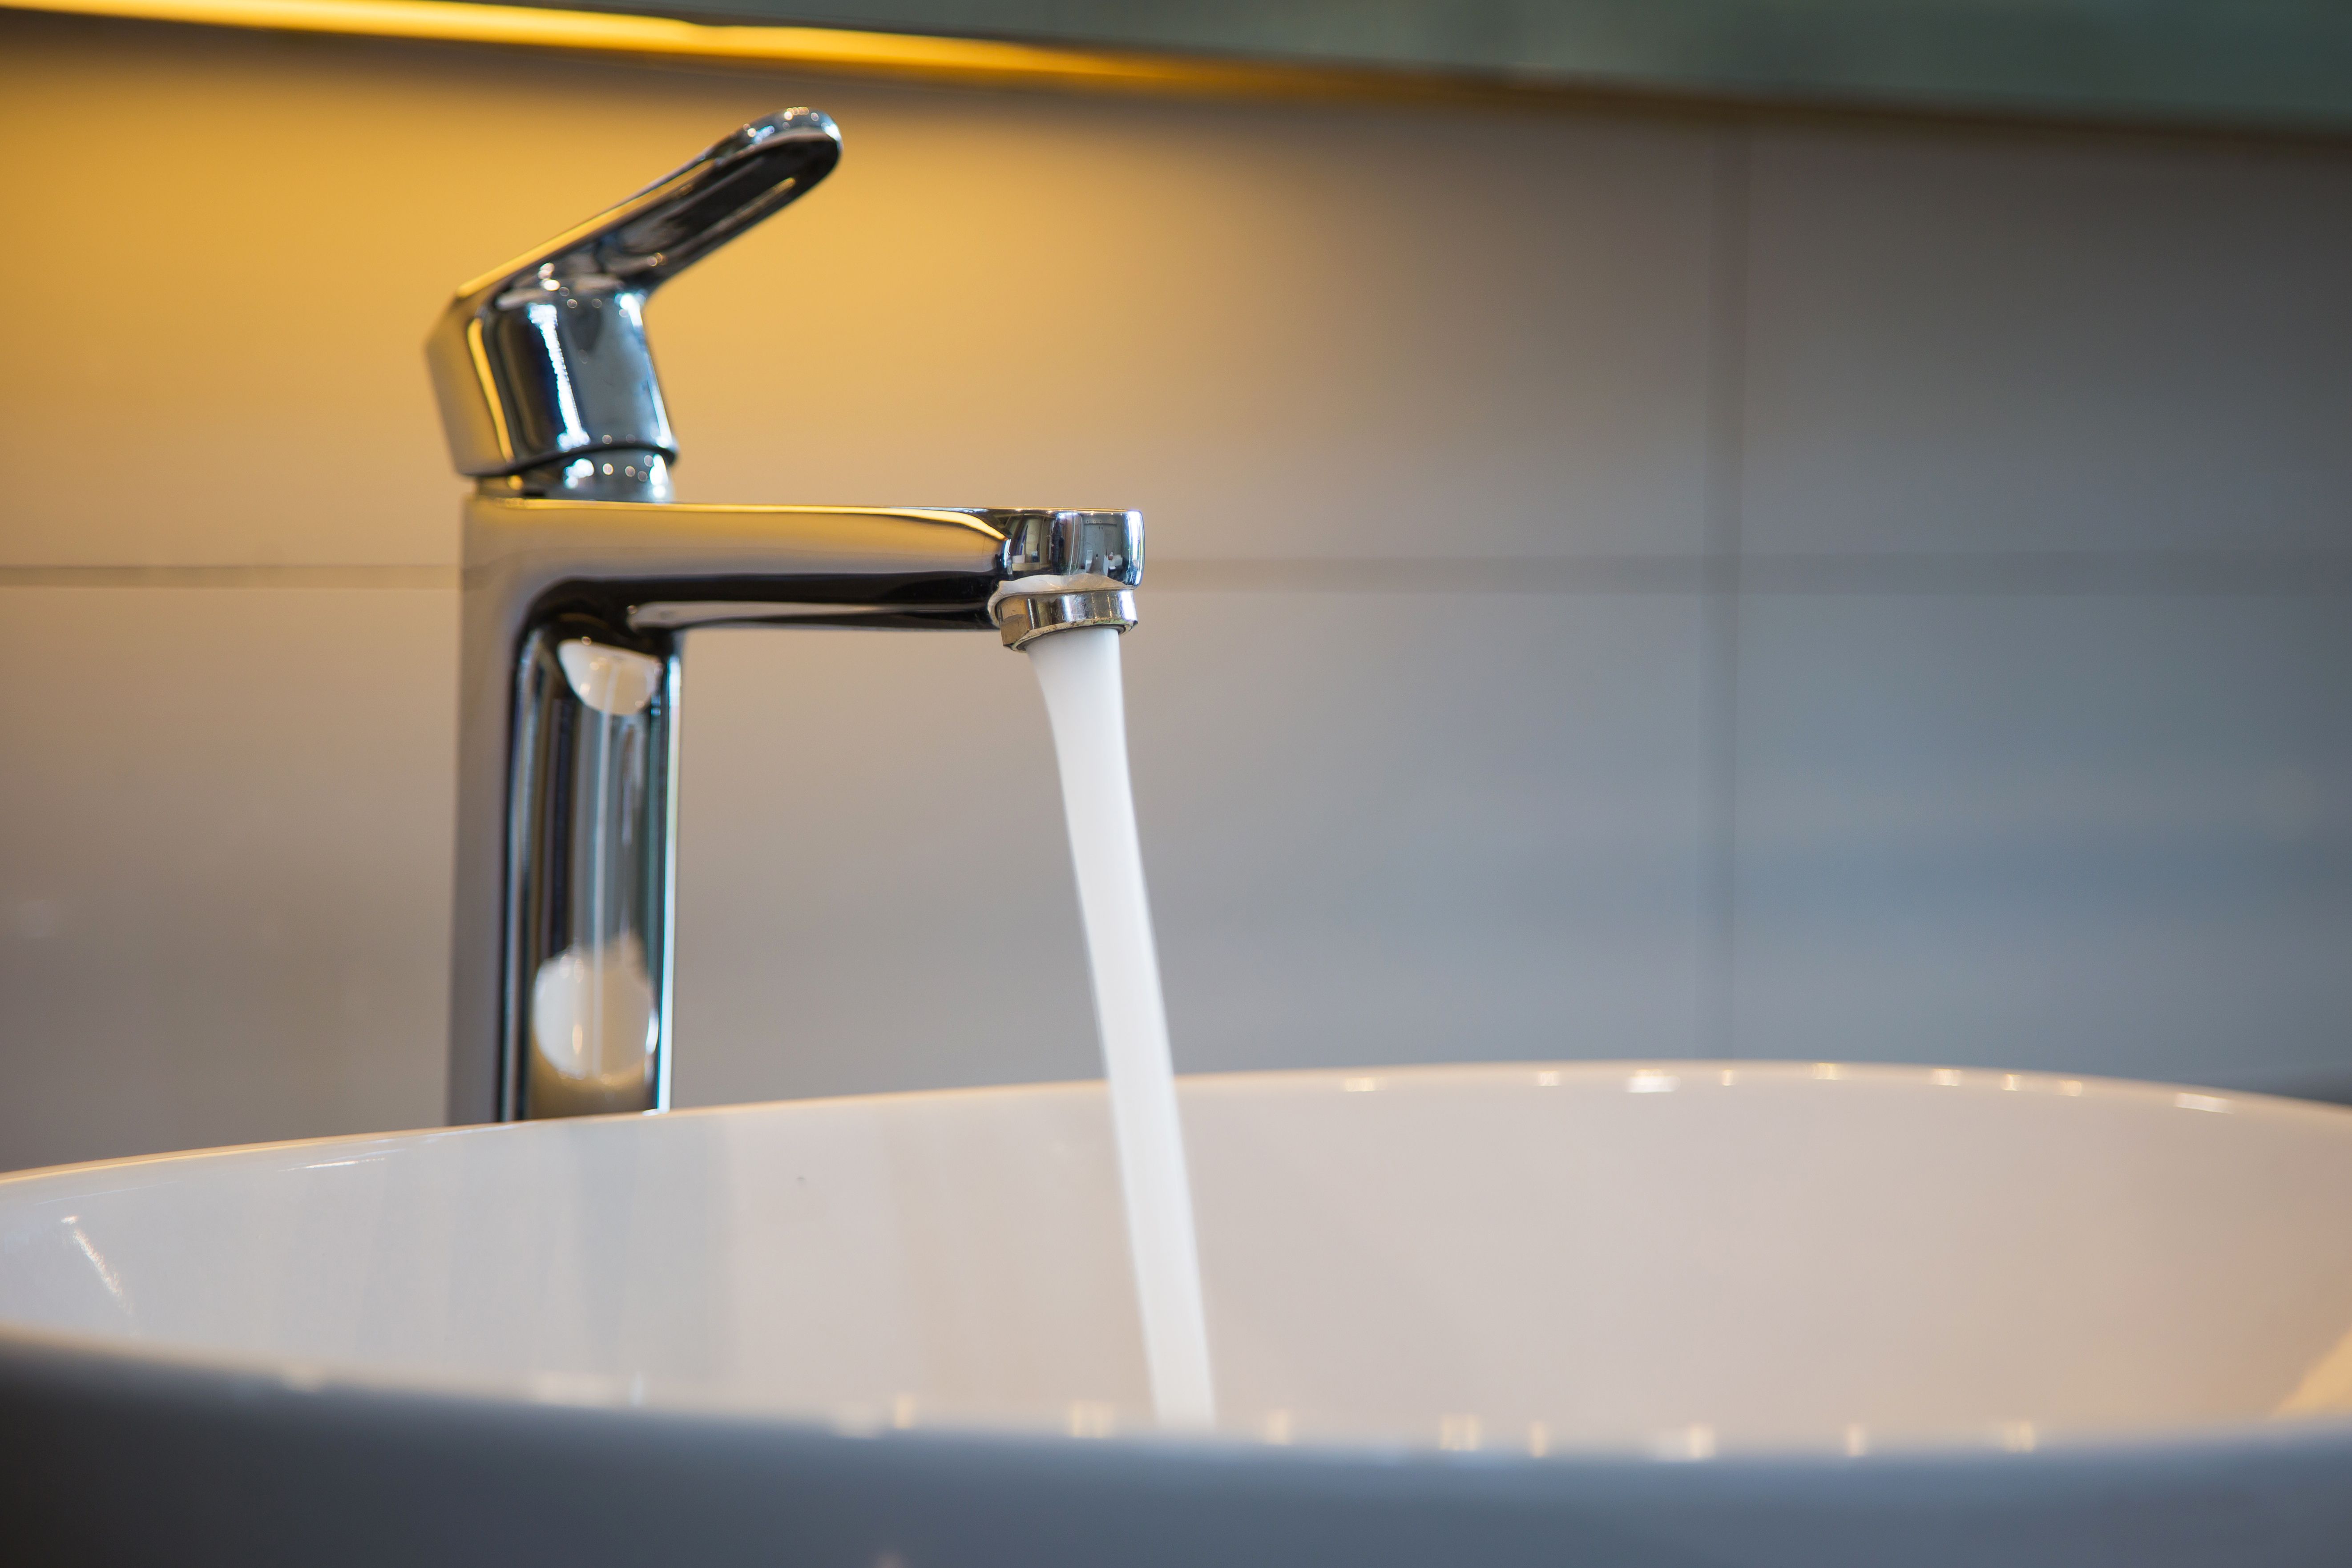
column 1458, row 1434
column 2327, row 1387
column 1694, row 1442
column 1088, row 1420
column 823, row 49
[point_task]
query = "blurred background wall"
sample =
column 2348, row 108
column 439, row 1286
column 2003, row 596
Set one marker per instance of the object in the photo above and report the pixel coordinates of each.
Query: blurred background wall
column 1622, row 584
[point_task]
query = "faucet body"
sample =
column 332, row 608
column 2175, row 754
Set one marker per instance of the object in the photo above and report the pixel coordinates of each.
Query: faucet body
column 581, row 578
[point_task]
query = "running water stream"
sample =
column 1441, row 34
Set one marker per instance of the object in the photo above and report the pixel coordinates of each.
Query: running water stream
column 1078, row 671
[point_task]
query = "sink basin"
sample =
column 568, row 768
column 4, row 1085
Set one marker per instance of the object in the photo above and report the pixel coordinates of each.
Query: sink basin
column 1627, row 1313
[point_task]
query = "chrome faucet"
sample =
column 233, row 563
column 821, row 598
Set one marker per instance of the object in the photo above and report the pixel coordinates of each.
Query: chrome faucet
column 582, row 576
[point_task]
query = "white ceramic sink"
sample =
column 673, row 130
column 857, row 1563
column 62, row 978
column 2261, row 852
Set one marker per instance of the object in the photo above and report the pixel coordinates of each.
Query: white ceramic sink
column 1892, row 1289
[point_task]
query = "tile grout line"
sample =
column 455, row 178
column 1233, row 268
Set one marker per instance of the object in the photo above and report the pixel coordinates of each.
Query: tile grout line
column 1725, row 566
column 271, row 576
column 1722, row 568
column 1725, row 454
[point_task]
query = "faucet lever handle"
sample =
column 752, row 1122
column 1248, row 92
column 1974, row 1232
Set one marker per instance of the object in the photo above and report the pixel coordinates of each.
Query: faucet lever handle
column 688, row 213
column 543, row 362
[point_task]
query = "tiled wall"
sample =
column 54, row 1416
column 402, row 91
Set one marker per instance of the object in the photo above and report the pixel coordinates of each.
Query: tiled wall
column 1620, row 587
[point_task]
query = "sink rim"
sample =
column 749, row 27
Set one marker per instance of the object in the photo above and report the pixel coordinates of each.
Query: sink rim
column 121, row 1363
column 1968, row 1080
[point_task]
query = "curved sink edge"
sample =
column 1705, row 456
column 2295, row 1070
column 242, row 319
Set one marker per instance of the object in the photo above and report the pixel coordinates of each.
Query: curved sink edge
column 1971, row 1078
column 162, row 1371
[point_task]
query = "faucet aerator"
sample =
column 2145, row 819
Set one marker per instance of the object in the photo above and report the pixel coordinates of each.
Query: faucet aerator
column 1024, row 613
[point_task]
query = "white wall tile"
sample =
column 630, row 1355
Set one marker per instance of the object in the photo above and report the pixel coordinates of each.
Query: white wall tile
column 2014, row 344
column 2104, row 835
column 1356, row 332
column 1399, row 827
column 1381, row 331
column 874, row 891
column 224, row 872
column 1379, row 828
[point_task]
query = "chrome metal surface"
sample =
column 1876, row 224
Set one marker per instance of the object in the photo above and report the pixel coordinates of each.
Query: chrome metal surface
column 582, row 577
column 541, row 365
column 559, row 992
column 1024, row 617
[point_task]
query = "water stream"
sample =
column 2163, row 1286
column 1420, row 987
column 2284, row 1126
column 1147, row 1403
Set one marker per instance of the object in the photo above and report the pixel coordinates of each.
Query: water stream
column 1079, row 674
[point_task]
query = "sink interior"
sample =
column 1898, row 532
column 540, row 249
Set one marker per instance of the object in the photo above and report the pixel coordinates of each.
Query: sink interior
column 1682, row 1259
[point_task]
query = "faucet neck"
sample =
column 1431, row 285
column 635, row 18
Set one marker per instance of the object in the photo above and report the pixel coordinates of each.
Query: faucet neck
column 613, row 473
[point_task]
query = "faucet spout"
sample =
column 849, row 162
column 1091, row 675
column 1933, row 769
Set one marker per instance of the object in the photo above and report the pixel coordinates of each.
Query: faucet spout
column 574, row 619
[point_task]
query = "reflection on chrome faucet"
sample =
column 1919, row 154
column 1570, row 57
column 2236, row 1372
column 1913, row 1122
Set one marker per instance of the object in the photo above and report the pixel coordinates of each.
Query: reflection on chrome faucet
column 593, row 1041
column 592, row 1028
column 582, row 577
